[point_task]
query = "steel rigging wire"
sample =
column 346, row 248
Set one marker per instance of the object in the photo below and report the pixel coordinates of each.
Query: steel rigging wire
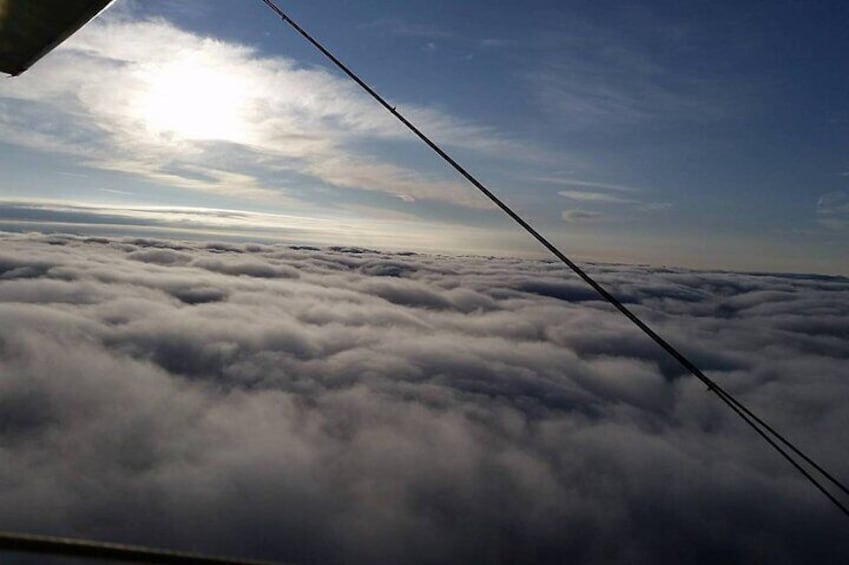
column 767, row 432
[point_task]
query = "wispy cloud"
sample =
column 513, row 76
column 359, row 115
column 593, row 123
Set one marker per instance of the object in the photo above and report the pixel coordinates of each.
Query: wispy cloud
column 585, row 94
column 604, row 195
column 833, row 210
column 354, row 225
column 116, row 191
column 495, row 43
column 575, row 216
column 573, row 182
column 594, row 75
column 399, row 26
column 594, row 197
column 654, row 206
column 215, row 116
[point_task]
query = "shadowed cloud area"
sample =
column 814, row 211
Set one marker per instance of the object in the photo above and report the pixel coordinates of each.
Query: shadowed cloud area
column 344, row 405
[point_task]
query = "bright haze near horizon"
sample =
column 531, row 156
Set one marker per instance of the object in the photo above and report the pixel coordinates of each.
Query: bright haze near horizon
column 707, row 135
column 244, row 312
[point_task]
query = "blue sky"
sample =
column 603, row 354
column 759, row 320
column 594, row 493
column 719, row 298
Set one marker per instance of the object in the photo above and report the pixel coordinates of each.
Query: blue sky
column 705, row 134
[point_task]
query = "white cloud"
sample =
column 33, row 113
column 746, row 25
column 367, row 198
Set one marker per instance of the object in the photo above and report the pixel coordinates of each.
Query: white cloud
column 587, row 196
column 201, row 113
column 655, row 206
column 581, row 215
column 496, row 43
column 833, row 210
column 356, row 225
column 348, row 406
column 603, row 194
column 573, row 182
column 398, row 26
column 836, row 202
column 612, row 75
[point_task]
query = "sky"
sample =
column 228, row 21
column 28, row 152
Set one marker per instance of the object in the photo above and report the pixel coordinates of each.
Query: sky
column 711, row 134
column 243, row 311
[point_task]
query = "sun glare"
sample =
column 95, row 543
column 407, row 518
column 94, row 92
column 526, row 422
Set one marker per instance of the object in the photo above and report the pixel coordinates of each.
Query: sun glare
column 191, row 99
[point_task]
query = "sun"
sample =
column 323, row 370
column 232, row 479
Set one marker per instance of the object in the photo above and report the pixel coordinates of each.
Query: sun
column 192, row 99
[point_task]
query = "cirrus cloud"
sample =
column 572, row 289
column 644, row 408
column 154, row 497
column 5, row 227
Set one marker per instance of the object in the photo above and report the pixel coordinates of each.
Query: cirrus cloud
column 833, row 209
column 220, row 117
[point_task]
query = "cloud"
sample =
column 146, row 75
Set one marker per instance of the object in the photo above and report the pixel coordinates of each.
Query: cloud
column 374, row 407
column 587, row 196
column 398, row 26
column 654, row 206
column 578, row 183
column 581, row 215
column 368, row 226
column 836, row 202
column 833, row 210
column 495, row 43
column 607, row 195
column 627, row 71
column 219, row 117
column 586, row 95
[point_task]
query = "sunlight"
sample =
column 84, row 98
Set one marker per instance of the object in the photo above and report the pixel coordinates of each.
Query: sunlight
column 191, row 99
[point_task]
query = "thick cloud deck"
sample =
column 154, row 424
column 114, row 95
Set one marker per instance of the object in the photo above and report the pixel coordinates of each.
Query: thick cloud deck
column 351, row 406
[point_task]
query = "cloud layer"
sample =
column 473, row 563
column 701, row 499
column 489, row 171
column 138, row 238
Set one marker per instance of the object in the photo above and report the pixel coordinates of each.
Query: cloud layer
column 343, row 405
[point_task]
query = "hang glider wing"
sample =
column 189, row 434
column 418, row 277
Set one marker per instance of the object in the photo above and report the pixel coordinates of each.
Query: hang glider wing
column 30, row 29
